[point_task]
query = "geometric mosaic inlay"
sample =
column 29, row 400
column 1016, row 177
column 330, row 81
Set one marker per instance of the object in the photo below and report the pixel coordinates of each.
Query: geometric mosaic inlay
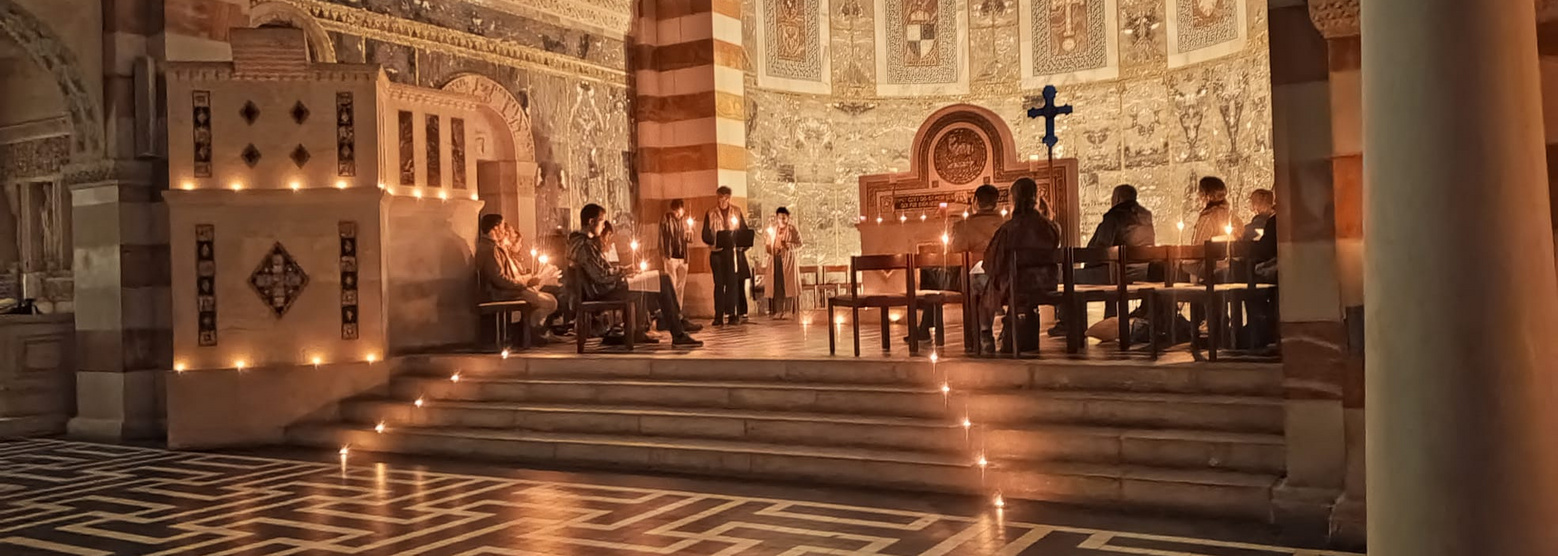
column 278, row 280
column 74, row 498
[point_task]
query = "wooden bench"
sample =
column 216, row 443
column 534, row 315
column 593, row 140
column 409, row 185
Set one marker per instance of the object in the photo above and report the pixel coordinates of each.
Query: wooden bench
column 503, row 314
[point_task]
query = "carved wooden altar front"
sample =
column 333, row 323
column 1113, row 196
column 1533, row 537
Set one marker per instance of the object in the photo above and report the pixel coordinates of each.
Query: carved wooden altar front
column 957, row 149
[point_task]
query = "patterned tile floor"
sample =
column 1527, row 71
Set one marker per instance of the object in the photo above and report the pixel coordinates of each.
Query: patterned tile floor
column 60, row 497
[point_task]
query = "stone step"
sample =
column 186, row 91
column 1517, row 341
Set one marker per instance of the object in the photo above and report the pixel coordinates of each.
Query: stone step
column 1116, row 409
column 1221, row 493
column 802, row 429
column 1166, row 448
column 1124, row 376
column 1210, row 492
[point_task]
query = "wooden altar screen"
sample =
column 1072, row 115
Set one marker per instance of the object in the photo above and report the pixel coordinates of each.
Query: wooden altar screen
column 957, row 149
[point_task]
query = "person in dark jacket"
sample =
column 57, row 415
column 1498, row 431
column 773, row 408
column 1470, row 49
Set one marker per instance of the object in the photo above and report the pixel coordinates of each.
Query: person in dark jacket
column 1263, row 205
column 599, row 279
column 728, row 264
column 1027, row 230
column 1127, row 224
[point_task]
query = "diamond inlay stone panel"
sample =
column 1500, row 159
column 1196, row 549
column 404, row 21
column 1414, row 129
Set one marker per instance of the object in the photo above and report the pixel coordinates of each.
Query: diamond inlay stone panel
column 251, row 156
column 300, row 113
column 278, row 280
column 250, row 112
column 300, row 156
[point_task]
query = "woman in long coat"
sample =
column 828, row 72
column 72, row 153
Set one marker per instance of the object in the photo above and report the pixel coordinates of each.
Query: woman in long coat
column 782, row 278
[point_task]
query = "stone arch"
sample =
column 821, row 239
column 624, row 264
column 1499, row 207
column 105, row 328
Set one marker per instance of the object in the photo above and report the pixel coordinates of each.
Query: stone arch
column 320, row 47
column 498, row 98
column 50, row 53
column 507, row 178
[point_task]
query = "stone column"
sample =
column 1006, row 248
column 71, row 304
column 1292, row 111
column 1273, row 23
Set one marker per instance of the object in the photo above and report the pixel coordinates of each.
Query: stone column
column 123, row 327
column 1314, row 337
column 689, row 74
column 1547, row 45
column 1462, row 309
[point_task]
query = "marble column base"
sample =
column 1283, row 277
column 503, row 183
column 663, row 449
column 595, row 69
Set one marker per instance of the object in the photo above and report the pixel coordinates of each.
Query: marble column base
column 118, row 406
column 1349, row 524
column 1305, row 509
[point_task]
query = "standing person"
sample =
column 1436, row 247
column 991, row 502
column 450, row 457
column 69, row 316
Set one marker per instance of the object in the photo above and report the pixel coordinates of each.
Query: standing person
column 1028, row 230
column 500, row 280
column 783, row 276
column 723, row 260
column 599, row 279
column 675, row 235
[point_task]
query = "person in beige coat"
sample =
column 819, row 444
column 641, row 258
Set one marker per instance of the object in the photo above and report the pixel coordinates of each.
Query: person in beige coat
column 783, row 275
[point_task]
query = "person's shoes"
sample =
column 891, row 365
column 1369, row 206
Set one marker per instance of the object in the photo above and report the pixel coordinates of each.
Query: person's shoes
column 718, row 322
column 732, row 321
column 987, row 342
column 745, row 320
column 686, row 340
column 691, row 326
column 1057, row 331
column 646, row 339
column 613, row 340
column 660, row 325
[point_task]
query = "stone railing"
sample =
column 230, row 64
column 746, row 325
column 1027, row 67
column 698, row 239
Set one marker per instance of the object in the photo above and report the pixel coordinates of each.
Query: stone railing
column 37, row 374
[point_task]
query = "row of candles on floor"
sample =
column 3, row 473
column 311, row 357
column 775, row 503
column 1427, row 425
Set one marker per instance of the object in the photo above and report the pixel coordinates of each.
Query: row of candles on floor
column 946, row 392
column 297, row 186
column 243, row 364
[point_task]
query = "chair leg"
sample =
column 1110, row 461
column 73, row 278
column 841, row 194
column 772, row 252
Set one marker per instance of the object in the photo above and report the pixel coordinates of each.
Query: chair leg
column 832, row 331
column 581, row 330
column 854, row 323
column 941, row 325
column 499, row 324
column 1123, row 313
column 630, row 326
column 887, row 330
column 1214, row 327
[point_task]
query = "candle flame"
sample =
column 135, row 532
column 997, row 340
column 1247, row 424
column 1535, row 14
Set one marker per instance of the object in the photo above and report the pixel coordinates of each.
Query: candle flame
column 417, row 403
column 379, row 428
column 340, row 184
column 178, row 367
column 945, row 388
column 505, row 353
column 317, row 361
column 542, row 258
column 633, row 245
column 643, row 265
column 454, row 377
column 295, row 186
column 345, row 450
column 903, row 218
column 1180, row 225
column 967, row 423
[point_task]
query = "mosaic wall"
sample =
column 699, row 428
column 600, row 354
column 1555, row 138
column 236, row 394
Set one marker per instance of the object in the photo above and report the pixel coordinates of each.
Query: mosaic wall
column 1157, row 128
column 581, row 123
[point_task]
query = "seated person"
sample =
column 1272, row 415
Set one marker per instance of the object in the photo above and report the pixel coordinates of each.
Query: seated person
column 514, row 242
column 1028, row 230
column 1127, row 224
column 1215, row 220
column 969, row 234
column 600, row 280
column 1263, row 204
column 501, row 279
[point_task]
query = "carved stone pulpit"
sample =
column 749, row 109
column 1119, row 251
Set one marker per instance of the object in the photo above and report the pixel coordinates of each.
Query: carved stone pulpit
column 957, row 149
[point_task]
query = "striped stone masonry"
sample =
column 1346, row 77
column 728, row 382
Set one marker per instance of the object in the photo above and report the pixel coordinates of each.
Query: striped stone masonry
column 688, row 65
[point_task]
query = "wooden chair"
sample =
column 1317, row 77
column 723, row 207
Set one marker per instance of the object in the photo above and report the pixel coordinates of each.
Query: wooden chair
column 584, row 309
column 1193, row 289
column 503, row 314
column 856, row 301
column 815, row 287
column 1236, row 289
column 940, row 298
column 834, row 287
column 1033, row 259
column 972, row 320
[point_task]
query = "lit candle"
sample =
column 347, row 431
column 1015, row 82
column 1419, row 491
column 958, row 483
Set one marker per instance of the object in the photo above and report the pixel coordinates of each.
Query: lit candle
column 903, row 218
column 240, row 364
column 1003, row 213
column 643, row 265
column 633, row 245
column 542, row 258
column 454, row 377
column 340, row 184
column 965, row 214
column 344, row 451
column 417, row 193
column 371, row 358
column 418, row 403
column 475, row 197
column 878, row 220
column 505, row 353
column 945, row 239
column 317, row 361
column 443, row 195
column 379, row 428
column 237, row 186
column 189, row 186
column 295, row 186
column 690, row 222
column 178, row 367
column 922, row 217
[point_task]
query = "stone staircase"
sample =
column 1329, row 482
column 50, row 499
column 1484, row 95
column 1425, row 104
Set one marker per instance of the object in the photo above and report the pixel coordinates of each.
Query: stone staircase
column 1195, row 437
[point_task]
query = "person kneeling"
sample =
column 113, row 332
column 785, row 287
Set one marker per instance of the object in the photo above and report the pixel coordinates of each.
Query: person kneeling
column 600, row 280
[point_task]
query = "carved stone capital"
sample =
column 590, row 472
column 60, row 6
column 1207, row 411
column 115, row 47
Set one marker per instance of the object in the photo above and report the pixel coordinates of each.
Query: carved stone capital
column 1335, row 19
column 89, row 174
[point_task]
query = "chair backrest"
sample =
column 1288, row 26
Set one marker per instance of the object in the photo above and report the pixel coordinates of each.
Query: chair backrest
column 1094, row 256
column 929, row 260
column 863, row 263
column 1238, row 254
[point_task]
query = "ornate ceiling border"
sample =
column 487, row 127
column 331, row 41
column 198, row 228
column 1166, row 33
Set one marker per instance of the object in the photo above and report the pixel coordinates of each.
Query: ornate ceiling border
column 386, row 28
column 1335, row 18
column 610, row 17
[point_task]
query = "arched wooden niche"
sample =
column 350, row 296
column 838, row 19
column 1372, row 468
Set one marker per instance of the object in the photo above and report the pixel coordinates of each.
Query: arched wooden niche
column 956, row 150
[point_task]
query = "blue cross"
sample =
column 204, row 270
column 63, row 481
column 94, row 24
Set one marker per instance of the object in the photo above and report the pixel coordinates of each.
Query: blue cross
column 1049, row 111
